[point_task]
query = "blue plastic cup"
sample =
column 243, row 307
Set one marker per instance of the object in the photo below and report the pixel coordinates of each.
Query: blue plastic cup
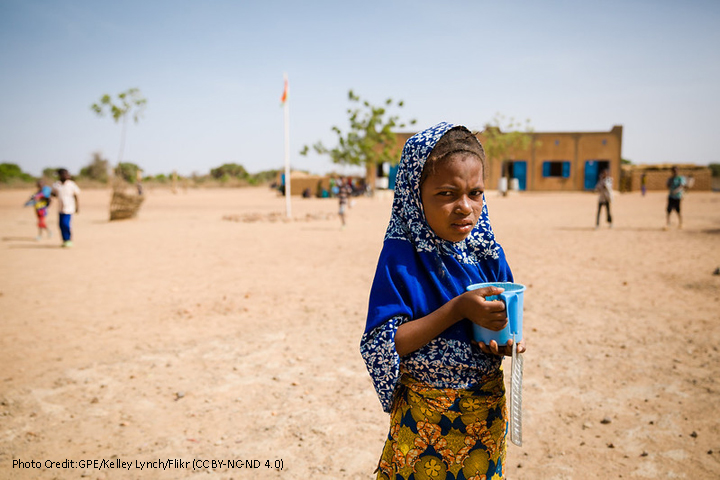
column 512, row 297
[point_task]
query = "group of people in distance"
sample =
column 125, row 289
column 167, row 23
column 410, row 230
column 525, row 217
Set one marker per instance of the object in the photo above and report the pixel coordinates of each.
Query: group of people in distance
column 66, row 191
column 676, row 184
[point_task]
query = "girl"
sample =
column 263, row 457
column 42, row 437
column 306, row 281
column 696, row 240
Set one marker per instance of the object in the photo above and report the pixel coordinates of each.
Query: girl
column 41, row 201
column 445, row 393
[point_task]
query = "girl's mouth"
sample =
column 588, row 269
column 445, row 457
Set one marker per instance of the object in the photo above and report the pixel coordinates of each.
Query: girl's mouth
column 463, row 226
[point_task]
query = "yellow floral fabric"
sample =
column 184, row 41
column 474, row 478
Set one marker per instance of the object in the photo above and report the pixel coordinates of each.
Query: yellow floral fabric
column 445, row 433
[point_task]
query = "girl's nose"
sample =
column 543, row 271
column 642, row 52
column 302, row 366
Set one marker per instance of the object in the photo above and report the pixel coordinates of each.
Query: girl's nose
column 463, row 205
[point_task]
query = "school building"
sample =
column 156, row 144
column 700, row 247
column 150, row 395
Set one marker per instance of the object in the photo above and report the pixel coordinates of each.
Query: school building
column 553, row 161
column 559, row 161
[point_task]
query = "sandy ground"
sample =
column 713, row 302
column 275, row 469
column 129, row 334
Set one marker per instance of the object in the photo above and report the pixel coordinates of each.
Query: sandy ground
column 188, row 336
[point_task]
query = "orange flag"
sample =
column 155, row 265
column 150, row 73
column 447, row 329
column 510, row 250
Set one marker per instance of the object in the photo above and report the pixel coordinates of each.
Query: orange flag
column 283, row 99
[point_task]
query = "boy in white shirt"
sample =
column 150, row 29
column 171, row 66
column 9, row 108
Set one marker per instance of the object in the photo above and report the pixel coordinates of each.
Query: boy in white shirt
column 67, row 193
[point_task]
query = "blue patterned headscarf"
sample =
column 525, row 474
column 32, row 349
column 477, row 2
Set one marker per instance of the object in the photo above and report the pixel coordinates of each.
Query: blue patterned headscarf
column 418, row 271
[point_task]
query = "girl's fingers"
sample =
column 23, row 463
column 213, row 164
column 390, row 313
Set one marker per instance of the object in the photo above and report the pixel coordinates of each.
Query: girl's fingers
column 494, row 349
column 495, row 315
column 498, row 323
column 496, row 306
column 489, row 291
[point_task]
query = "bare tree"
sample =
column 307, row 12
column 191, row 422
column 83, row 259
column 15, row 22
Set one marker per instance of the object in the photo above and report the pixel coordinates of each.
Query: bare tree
column 129, row 101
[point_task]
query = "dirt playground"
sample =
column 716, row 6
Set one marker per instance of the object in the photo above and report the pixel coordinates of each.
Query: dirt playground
column 210, row 330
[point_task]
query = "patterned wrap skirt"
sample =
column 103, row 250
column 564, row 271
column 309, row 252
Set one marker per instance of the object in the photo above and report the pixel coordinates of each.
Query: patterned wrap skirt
column 445, row 433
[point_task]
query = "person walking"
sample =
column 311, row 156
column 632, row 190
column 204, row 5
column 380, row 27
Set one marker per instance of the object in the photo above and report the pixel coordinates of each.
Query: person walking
column 343, row 191
column 67, row 193
column 604, row 188
column 643, row 183
column 676, row 185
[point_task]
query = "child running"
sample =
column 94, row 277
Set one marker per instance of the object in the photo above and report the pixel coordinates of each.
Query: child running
column 41, row 201
column 444, row 392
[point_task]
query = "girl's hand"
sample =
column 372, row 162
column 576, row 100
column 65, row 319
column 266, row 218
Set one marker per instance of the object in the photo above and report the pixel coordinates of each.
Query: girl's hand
column 505, row 350
column 487, row 314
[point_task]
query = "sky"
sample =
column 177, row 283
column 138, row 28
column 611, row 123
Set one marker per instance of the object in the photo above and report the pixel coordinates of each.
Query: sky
column 212, row 74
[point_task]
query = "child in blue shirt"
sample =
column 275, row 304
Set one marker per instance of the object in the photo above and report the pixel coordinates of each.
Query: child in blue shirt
column 444, row 392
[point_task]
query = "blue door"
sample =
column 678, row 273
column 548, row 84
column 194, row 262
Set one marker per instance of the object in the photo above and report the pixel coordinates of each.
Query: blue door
column 591, row 174
column 391, row 176
column 520, row 172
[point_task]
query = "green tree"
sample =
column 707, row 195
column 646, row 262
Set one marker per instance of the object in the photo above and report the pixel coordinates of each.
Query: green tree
column 266, row 176
column 50, row 173
column 11, row 171
column 715, row 169
column 370, row 139
column 97, row 169
column 127, row 171
column 504, row 140
column 129, row 101
column 229, row 170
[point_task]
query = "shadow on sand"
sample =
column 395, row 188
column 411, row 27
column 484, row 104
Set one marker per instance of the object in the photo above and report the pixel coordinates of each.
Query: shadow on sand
column 605, row 227
column 29, row 242
column 705, row 231
column 709, row 231
column 19, row 239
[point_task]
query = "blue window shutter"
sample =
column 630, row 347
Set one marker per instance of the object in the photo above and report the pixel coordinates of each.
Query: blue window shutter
column 566, row 170
column 546, row 169
column 391, row 177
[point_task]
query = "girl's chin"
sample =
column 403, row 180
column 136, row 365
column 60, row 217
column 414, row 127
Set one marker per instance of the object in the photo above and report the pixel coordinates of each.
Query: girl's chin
column 456, row 236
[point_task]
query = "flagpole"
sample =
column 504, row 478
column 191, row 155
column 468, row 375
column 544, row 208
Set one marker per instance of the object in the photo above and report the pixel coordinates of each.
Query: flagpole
column 286, row 111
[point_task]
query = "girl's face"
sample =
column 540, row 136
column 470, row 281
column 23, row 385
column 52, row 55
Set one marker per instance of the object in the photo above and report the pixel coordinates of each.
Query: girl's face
column 452, row 196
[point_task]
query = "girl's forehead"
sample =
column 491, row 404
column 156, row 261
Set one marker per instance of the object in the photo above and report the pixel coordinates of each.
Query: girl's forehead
column 453, row 162
column 464, row 157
